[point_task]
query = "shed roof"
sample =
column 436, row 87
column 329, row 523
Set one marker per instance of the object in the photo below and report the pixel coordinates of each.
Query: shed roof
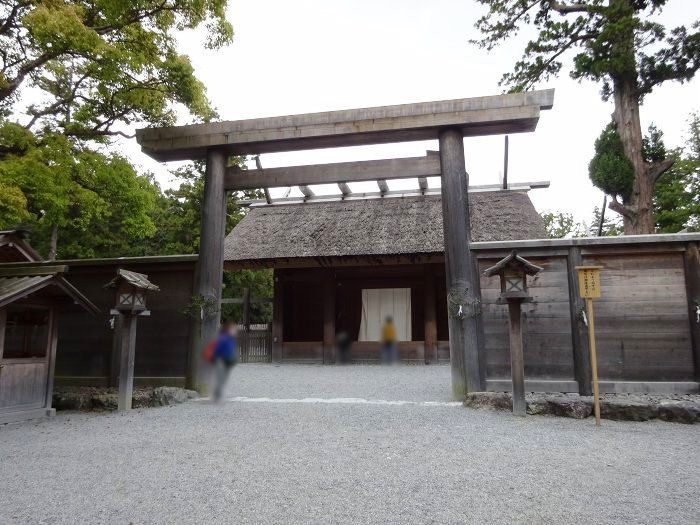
column 398, row 226
column 15, row 248
column 18, row 282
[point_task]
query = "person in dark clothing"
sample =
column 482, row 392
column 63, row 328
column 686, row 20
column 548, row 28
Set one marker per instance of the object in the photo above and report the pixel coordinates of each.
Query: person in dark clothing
column 343, row 342
column 225, row 357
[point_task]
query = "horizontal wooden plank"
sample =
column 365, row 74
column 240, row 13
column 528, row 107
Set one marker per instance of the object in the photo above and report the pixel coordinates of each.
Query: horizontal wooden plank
column 339, row 172
column 421, row 121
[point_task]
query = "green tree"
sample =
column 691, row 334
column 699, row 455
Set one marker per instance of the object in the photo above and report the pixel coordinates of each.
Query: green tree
column 95, row 201
column 677, row 193
column 559, row 225
column 614, row 42
column 92, row 69
column 99, row 64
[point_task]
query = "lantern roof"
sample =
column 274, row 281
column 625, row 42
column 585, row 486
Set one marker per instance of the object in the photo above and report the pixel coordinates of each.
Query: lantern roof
column 513, row 258
column 139, row 280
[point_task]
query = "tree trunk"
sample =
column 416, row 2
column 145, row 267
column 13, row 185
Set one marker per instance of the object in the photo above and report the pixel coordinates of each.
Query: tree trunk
column 637, row 208
column 53, row 243
column 638, row 214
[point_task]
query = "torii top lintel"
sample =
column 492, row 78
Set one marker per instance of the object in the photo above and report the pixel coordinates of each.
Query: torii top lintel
column 511, row 113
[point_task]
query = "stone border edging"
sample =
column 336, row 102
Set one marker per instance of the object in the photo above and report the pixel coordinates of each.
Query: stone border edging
column 620, row 407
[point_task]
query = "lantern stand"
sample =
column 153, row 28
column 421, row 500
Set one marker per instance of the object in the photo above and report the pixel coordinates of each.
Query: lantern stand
column 131, row 290
column 513, row 271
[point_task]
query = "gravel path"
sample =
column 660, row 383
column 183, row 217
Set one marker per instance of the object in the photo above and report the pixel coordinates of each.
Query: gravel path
column 260, row 462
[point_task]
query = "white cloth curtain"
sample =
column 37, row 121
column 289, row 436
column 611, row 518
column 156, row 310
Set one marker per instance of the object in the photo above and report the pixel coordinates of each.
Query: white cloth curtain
column 377, row 303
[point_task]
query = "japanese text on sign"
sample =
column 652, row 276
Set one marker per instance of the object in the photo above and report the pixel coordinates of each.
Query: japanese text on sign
column 589, row 281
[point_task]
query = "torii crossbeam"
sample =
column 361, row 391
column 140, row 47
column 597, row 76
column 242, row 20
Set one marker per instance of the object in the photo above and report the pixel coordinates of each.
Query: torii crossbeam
column 447, row 121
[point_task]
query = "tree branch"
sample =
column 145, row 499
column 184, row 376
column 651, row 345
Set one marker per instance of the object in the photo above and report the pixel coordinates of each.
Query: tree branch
column 622, row 209
column 656, row 169
column 564, row 9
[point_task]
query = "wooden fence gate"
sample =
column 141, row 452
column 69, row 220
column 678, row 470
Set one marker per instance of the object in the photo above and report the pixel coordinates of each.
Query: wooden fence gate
column 256, row 344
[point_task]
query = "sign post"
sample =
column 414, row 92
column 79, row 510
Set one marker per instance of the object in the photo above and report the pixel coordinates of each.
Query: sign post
column 589, row 289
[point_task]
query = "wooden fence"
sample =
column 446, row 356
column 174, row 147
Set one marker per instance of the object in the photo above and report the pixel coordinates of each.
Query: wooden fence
column 256, row 344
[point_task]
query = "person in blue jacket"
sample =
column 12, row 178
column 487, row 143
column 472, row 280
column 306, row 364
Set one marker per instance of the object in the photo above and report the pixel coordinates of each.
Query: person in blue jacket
column 225, row 357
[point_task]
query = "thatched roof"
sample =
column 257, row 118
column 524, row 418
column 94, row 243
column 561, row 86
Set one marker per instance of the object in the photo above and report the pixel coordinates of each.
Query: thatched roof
column 390, row 226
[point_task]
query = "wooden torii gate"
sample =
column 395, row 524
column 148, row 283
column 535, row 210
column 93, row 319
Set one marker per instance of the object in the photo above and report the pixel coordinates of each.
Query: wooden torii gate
column 447, row 121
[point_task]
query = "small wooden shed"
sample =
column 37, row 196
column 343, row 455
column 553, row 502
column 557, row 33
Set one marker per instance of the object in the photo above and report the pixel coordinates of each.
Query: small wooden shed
column 30, row 298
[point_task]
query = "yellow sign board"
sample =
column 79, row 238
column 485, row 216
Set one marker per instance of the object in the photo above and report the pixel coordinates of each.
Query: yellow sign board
column 589, row 281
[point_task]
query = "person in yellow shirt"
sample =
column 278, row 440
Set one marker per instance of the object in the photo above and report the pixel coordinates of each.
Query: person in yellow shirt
column 389, row 348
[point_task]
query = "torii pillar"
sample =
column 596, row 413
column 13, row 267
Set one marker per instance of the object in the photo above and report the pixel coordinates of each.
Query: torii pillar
column 460, row 268
column 209, row 270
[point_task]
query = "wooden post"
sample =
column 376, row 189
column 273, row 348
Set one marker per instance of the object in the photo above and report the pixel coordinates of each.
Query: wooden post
column 53, row 334
column 692, row 286
column 244, row 336
column 517, row 367
column 277, row 319
column 464, row 342
column 329, row 320
column 246, row 308
column 126, row 362
column 430, row 337
column 208, row 272
column 116, row 351
column 594, row 359
column 579, row 331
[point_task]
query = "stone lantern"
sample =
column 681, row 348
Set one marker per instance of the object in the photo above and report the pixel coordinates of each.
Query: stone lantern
column 131, row 288
column 513, row 271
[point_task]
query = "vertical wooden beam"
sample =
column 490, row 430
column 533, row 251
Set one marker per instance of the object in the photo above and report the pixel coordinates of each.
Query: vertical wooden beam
column 579, row 331
column 329, row 319
column 208, row 272
column 246, row 308
column 53, row 339
column 126, row 367
column 692, row 285
column 430, row 317
column 116, row 351
column 277, row 318
column 459, row 266
column 517, row 367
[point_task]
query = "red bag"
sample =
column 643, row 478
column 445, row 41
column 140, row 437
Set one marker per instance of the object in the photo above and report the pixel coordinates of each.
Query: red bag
column 209, row 351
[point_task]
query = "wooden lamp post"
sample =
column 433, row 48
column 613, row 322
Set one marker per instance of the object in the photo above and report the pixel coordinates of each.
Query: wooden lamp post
column 131, row 290
column 513, row 271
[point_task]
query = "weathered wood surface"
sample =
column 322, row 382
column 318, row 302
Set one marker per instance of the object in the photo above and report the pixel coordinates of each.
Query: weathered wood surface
column 497, row 114
column 642, row 318
column 459, row 267
column 127, row 353
column 277, row 318
column 692, row 281
column 339, row 172
column 547, row 347
column 85, row 342
column 209, row 270
column 329, row 319
column 517, row 370
column 579, row 330
column 430, row 329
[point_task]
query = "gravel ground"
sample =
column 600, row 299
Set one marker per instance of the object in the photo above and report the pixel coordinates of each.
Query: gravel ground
column 261, row 462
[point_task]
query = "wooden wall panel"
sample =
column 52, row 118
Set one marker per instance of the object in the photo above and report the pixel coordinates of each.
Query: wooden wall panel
column 546, row 323
column 85, row 341
column 642, row 325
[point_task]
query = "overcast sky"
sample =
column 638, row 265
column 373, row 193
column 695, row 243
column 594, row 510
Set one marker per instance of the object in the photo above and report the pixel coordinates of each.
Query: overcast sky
column 319, row 55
